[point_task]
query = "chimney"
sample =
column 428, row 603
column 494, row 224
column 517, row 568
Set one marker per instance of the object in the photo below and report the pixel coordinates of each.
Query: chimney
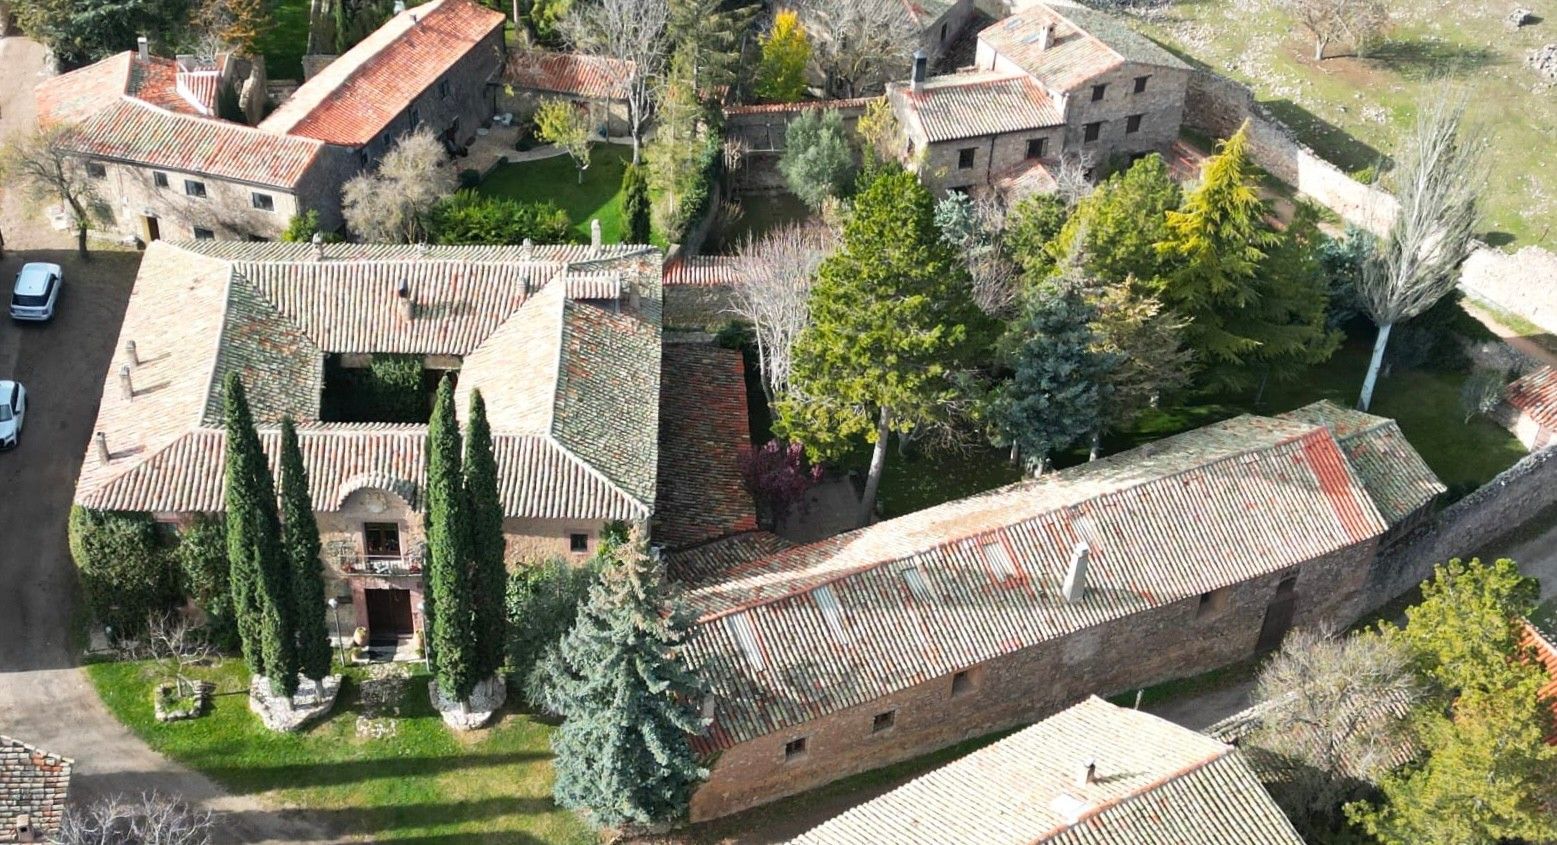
column 527, row 250
column 404, row 301
column 318, row 242
column 399, row 7
column 130, row 351
column 594, row 233
column 921, row 67
column 24, row 830
column 1076, row 577
column 143, row 48
column 421, row 249
column 125, row 385
column 1087, row 774
column 1046, row 36
column 101, row 440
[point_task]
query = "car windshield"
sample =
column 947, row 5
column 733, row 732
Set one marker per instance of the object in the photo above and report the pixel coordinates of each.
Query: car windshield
column 26, row 301
column 5, row 413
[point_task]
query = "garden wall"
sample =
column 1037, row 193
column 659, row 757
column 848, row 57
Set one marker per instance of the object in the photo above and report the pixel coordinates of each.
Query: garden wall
column 762, row 126
column 1524, row 283
column 1217, row 106
column 1468, row 527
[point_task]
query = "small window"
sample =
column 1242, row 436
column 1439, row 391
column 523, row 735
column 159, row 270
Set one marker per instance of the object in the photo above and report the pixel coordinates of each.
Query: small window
column 578, row 543
column 1212, row 603
column 1091, row 131
column 1098, row 91
column 443, row 88
column 943, row 33
column 167, row 533
column 256, row 239
column 1133, row 124
column 204, row 234
column 883, row 721
column 795, row 749
column 362, row 158
column 159, row 179
column 1036, row 147
column 96, row 170
column 263, row 202
column 962, row 683
column 1140, row 84
column 416, row 119
column 389, row 140
column 965, row 158
column 193, row 188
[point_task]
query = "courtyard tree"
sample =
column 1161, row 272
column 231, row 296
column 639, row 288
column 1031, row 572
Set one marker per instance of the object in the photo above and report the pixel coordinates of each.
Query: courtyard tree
column 891, row 322
column 713, row 36
column 881, row 134
column 452, row 641
column 1351, row 22
column 1117, row 226
column 977, row 229
column 633, row 32
column 202, row 561
column 786, row 51
column 300, row 538
column 565, row 125
column 1146, row 343
column 635, row 205
column 861, row 45
column 771, row 291
column 392, row 205
column 1438, row 182
column 488, row 570
column 624, row 752
column 41, row 162
column 148, row 819
column 818, row 159
column 235, row 24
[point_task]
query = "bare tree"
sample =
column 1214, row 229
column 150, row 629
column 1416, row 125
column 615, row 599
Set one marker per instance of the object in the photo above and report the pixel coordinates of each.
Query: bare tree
column 150, row 819
column 42, row 162
column 860, row 44
column 772, row 282
column 175, row 646
column 1331, row 719
column 632, row 32
column 391, row 205
column 1352, row 22
column 1438, row 183
column 1073, row 176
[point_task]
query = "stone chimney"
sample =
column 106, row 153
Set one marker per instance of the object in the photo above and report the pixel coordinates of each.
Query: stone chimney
column 126, row 386
column 131, row 353
column 594, row 233
column 101, row 440
column 399, row 6
column 527, row 250
column 318, row 243
column 1046, row 36
column 1076, row 577
column 1087, row 774
column 404, row 301
column 143, row 48
column 920, row 71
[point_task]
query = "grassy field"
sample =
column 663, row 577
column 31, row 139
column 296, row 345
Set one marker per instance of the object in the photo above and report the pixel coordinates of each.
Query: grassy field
column 422, row 785
column 556, row 179
column 1353, row 109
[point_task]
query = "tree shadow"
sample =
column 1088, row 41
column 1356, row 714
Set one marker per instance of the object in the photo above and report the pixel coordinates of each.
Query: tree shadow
column 371, row 821
column 1498, row 239
column 1332, row 143
column 1423, row 59
column 307, row 775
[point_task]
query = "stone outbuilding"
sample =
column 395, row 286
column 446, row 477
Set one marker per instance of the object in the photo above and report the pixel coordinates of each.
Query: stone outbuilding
column 33, row 787
column 595, row 84
column 1529, row 408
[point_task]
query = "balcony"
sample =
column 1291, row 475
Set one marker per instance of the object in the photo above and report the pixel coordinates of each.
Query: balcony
column 354, row 562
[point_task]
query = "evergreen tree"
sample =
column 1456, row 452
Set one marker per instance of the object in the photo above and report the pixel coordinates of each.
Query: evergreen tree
column 624, row 753
column 786, row 50
column 450, row 612
column 892, row 319
column 489, row 575
column 300, row 537
column 261, row 579
column 1252, row 295
column 635, row 204
column 818, row 158
column 1119, row 225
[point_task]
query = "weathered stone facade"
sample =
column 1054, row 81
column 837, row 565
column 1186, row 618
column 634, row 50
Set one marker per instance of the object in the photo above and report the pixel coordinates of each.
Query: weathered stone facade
column 178, row 210
column 33, row 785
column 470, row 101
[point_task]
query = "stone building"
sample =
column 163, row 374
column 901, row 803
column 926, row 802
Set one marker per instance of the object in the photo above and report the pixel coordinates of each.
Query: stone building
column 553, row 337
column 1529, row 408
column 596, row 84
column 33, row 788
column 1052, row 81
column 1091, row 773
column 890, row 641
column 149, row 129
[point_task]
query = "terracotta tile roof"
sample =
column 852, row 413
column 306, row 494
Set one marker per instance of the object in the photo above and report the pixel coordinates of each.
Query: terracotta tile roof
column 926, row 12
column 974, row 104
column 702, row 271
column 953, row 586
column 34, row 783
column 1535, row 395
column 553, row 371
column 711, row 560
column 703, row 435
column 806, row 105
column 1024, row 179
column 1087, row 43
column 1540, row 636
column 177, row 86
column 574, row 74
column 351, row 101
column 1395, row 475
column 1155, row 784
column 84, row 92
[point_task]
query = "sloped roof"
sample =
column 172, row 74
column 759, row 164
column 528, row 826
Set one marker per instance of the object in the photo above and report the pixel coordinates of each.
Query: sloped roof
column 703, row 271
column 34, row 783
column 703, row 436
column 575, row 74
column 1087, row 43
column 1397, row 478
column 1539, row 634
column 1155, row 783
column 553, row 371
column 923, row 595
column 1024, row 179
column 351, row 101
column 1535, row 395
column 711, row 560
column 974, row 104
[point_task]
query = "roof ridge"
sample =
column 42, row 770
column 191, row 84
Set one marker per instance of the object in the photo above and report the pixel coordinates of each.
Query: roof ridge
column 1054, row 8
column 592, row 470
column 1094, row 811
column 69, row 761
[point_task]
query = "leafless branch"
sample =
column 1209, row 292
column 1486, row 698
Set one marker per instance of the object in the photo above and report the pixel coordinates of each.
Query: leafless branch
column 150, row 819
column 391, row 204
column 772, row 283
column 630, row 31
column 1352, row 22
column 860, row 44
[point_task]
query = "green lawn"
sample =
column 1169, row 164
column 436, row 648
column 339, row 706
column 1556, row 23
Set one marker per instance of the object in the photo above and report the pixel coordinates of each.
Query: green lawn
column 759, row 213
column 284, row 43
column 1350, row 110
column 423, row 785
column 556, row 179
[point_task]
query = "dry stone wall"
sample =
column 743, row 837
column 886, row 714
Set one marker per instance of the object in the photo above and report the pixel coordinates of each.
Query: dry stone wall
column 1524, row 283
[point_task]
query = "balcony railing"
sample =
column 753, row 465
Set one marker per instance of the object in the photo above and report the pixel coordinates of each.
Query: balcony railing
column 352, row 562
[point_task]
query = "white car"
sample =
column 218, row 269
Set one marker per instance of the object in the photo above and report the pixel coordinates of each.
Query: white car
column 36, row 291
column 13, row 410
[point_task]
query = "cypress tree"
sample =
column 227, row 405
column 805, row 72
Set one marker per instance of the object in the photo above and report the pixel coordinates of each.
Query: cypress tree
column 624, row 752
column 300, row 537
column 635, row 204
column 451, row 641
column 489, row 576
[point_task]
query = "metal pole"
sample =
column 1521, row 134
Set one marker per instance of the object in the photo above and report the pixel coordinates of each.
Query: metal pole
column 335, row 609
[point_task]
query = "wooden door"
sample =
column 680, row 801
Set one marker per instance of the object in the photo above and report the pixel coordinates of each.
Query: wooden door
column 389, row 614
column 1278, row 614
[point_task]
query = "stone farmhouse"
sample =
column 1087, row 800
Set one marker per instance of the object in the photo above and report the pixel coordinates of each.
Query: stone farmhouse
column 33, row 787
column 1055, row 80
column 553, row 336
column 1091, row 773
column 1529, row 408
column 595, row 84
column 148, row 129
column 887, row 642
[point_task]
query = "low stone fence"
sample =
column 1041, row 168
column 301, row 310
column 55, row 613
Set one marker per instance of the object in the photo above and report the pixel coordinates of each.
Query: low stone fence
column 762, row 127
column 1468, row 527
column 1524, row 283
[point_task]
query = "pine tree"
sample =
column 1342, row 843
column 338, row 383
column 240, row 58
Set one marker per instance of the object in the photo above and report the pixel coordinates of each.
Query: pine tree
column 300, row 537
column 261, row 582
column 635, row 204
column 624, row 753
column 450, row 614
column 786, row 50
column 489, row 575
column 1118, row 225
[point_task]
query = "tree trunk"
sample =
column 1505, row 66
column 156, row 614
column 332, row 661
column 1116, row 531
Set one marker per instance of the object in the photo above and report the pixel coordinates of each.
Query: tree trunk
column 81, row 241
column 1372, row 378
column 1319, row 48
column 637, row 145
column 878, row 459
column 1097, row 444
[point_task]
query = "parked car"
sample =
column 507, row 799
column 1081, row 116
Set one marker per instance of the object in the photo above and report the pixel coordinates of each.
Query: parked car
column 13, row 410
column 36, row 291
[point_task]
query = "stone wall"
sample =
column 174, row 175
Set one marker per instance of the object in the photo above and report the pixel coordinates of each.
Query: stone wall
column 129, row 193
column 1217, row 106
column 1468, row 527
column 1524, row 283
column 696, row 307
column 1119, row 655
column 762, row 127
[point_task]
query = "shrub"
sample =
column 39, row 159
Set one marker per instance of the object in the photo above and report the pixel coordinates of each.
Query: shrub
column 470, row 177
column 389, row 389
column 695, row 192
column 541, row 601
column 818, row 159
column 468, row 217
column 302, row 228
column 1482, row 391
column 202, row 560
column 127, row 574
column 777, row 475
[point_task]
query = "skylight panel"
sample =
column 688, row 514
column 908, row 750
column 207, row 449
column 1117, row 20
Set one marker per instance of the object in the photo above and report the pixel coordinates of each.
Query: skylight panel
column 1000, row 560
column 745, row 634
column 832, row 611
